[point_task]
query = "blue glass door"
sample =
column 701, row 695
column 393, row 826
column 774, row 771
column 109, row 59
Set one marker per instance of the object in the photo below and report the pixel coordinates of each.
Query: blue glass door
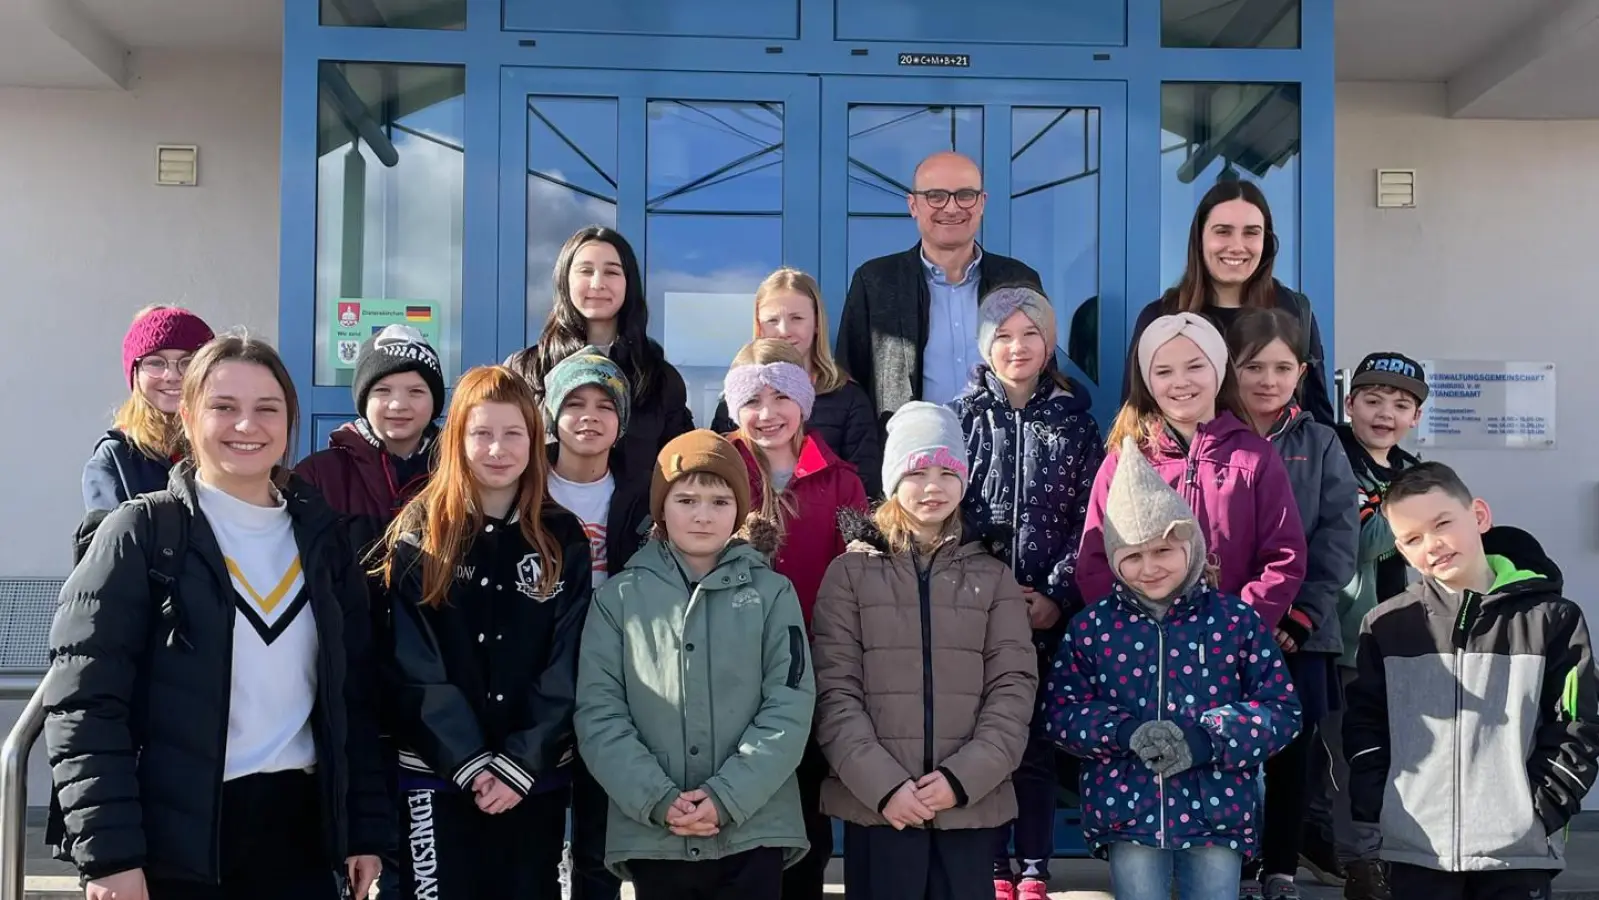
column 712, row 178
column 1053, row 156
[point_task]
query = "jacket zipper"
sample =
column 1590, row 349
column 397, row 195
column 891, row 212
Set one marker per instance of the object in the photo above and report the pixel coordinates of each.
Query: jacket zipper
column 1016, row 496
column 924, row 591
column 1160, row 713
column 693, row 595
column 1460, row 660
column 230, row 617
column 1460, row 663
column 338, row 776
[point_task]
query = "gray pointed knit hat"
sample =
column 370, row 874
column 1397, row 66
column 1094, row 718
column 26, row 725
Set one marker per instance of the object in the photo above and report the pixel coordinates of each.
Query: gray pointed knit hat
column 1142, row 507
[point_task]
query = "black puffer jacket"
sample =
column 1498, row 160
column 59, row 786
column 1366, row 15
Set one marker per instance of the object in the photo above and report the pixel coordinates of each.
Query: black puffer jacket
column 846, row 423
column 1032, row 471
column 488, row 679
column 136, row 724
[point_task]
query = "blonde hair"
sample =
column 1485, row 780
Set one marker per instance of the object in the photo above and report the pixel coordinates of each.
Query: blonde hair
column 899, row 528
column 154, row 433
column 776, row 505
column 825, row 373
column 1140, row 417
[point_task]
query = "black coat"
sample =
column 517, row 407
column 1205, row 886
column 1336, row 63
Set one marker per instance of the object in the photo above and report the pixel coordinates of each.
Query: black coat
column 118, row 471
column 883, row 331
column 845, row 421
column 488, row 678
column 1313, row 391
column 136, row 725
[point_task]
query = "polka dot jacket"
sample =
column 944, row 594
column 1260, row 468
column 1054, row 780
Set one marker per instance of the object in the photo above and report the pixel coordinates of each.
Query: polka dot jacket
column 1210, row 666
column 1032, row 473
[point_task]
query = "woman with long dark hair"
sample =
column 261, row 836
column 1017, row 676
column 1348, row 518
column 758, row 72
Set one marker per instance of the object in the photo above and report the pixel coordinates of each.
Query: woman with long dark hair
column 1232, row 247
column 599, row 301
column 210, row 721
column 489, row 581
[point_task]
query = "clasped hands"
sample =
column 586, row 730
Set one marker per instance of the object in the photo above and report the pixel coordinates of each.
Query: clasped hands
column 1163, row 747
column 493, row 796
column 694, row 814
column 918, row 800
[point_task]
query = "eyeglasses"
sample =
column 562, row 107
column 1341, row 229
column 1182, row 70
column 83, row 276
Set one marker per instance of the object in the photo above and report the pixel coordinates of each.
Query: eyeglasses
column 937, row 198
column 156, row 366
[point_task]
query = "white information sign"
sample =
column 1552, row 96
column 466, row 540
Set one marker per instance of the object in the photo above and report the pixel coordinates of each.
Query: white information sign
column 1488, row 405
column 704, row 329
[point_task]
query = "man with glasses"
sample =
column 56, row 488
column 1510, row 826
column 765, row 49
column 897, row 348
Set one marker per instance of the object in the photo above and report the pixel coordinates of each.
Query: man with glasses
column 909, row 327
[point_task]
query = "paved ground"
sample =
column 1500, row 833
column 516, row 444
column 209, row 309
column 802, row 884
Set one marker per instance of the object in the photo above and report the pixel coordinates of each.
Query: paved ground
column 1075, row 879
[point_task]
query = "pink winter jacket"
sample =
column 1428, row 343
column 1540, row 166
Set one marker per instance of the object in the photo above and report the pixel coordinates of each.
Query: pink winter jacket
column 1239, row 489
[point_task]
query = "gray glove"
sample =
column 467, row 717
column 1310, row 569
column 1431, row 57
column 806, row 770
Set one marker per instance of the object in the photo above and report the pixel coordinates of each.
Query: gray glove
column 1175, row 759
column 1152, row 740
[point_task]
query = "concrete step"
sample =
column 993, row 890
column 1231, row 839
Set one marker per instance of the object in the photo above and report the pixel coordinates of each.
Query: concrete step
column 1074, row 879
column 1091, row 882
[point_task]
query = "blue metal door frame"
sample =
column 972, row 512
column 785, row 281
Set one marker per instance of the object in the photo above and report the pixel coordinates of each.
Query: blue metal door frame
column 503, row 68
column 633, row 90
column 1136, row 71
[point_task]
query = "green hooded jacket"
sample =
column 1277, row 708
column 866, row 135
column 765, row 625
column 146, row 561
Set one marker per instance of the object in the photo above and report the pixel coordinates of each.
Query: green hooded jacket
column 683, row 687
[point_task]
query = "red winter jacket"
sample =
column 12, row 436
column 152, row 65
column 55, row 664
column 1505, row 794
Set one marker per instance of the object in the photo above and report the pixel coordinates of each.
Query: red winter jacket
column 358, row 480
column 822, row 485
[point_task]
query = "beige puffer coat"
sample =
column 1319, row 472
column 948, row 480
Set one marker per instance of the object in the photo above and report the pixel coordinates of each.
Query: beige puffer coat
column 920, row 672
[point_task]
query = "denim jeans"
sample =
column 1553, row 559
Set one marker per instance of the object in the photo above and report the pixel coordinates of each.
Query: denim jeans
column 1145, row 873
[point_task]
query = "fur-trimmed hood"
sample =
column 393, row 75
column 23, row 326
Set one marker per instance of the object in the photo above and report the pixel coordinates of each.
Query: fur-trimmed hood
column 861, row 535
column 760, row 532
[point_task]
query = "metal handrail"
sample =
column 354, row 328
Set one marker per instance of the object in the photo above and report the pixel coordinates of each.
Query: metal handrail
column 15, row 685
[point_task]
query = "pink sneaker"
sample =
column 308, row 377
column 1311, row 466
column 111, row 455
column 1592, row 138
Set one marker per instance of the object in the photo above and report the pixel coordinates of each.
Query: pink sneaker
column 1004, row 890
column 1031, row 889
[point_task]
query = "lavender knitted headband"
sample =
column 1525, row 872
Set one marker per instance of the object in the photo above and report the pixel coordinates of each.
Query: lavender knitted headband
column 744, row 382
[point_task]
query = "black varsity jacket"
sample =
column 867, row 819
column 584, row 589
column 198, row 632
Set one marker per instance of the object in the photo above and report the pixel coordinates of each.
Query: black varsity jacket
column 488, row 678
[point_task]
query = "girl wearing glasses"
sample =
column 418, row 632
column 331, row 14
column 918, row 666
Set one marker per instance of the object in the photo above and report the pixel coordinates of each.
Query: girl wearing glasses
column 136, row 455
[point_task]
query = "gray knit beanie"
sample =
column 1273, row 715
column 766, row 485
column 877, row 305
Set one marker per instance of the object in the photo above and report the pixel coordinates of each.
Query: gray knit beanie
column 1142, row 507
column 1001, row 303
column 920, row 435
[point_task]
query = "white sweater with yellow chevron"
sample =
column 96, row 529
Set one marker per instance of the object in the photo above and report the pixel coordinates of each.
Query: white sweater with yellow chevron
column 274, row 637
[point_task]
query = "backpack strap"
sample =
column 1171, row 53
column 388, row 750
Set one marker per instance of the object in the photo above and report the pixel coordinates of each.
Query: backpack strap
column 169, row 521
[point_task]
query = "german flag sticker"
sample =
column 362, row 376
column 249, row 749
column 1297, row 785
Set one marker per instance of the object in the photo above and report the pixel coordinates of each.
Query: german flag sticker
column 419, row 314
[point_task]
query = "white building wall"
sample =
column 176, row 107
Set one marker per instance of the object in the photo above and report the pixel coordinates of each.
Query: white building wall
column 1499, row 262
column 87, row 238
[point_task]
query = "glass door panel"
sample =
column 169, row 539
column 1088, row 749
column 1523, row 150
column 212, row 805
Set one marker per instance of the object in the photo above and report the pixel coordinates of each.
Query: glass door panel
column 886, row 141
column 712, row 179
column 714, row 229
column 1052, row 156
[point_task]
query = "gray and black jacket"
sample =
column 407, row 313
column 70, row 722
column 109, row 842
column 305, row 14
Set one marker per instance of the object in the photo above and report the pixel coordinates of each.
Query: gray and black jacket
column 1329, row 505
column 1472, row 726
